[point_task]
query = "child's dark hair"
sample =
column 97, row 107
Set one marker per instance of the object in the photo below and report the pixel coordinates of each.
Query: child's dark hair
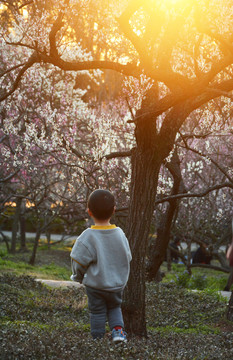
column 101, row 203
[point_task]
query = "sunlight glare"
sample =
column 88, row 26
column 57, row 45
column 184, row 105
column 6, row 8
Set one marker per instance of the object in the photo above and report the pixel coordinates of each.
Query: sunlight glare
column 3, row 8
column 174, row 3
column 25, row 13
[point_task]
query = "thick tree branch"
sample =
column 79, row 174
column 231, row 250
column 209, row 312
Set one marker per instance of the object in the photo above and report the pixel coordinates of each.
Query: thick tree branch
column 137, row 42
column 128, row 69
column 118, row 154
column 52, row 36
column 220, row 92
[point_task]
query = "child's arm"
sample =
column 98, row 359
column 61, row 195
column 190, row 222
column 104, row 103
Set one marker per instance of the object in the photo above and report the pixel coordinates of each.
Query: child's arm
column 81, row 258
column 78, row 271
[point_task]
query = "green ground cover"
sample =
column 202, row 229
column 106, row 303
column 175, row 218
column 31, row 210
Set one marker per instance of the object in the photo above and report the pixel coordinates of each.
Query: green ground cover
column 50, row 264
column 38, row 322
column 200, row 279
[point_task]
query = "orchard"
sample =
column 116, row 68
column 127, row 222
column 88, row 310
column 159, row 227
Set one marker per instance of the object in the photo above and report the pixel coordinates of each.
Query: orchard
column 134, row 96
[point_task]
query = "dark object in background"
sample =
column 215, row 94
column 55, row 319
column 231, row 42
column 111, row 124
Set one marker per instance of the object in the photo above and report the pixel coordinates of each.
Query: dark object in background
column 175, row 245
column 201, row 256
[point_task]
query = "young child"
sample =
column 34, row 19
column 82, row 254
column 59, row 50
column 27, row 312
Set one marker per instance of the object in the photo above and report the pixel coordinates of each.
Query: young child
column 100, row 259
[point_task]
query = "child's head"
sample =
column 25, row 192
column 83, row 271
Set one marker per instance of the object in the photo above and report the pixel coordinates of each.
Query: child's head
column 101, row 203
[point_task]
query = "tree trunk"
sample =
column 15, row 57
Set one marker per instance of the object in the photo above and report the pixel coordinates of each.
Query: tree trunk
column 153, row 146
column 36, row 242
column 15, row 225
column 143, row 192
column 160, row 247
column 5, row 239
column 144, row 178
column 23, row 246
column 169, row 264
column 48, row 237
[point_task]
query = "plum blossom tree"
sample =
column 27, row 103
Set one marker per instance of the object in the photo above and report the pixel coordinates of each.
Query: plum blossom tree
column 182, row 48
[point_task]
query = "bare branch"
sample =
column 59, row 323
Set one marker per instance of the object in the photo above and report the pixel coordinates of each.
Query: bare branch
column 128, row 69
column 32, row 60
column 130, row 108
column 25, row 4
column 11, row 69
column 118, row 154
column 209, row 158
column 19, row 43
column 9, row 177
column 123, row 21
column 214, row 267
column 225, row 45
column 220, row 92
column 190, row 195
column 73, row 150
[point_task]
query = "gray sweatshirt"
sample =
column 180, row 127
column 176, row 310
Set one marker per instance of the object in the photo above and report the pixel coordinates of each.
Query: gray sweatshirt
column 101, row 257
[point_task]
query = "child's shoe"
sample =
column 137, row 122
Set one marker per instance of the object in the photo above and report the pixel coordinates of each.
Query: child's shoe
column 118, row 336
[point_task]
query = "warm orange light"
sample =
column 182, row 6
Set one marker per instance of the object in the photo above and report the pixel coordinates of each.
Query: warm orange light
column 56, row 204
column 12, row 204
column 3, row 8
column 29, row 204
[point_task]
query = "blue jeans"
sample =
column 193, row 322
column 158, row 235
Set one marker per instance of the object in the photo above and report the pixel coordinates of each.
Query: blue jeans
column 102, row 305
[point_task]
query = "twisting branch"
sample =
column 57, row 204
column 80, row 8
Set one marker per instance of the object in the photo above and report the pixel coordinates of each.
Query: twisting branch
column 52, row 36
column 123, row 21
column 32, row 60
column 225, row 45
column 213, row 267
column 73, row 150
column 9, row 177
column 209, row 158
column 190, row 195
column 25, row 4
column 11, row 69
column 220, row 92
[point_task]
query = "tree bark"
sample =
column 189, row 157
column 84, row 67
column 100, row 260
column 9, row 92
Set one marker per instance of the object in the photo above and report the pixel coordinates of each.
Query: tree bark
column 160, row 247
column 22, row 220
column 36, row 243
column 145, row 168
column 153, row 146
column 15, row 225
column 143, row 192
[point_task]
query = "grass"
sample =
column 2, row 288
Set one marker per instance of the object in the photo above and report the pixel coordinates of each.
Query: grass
column 202, row 329
column 52, row 271
column 201, row 279
column 51, row 264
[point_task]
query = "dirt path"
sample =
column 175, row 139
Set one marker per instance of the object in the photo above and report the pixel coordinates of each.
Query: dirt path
column 64, row 284
column 60, row 283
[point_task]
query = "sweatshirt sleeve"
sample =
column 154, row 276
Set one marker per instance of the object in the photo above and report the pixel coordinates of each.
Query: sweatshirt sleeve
column 81, row 258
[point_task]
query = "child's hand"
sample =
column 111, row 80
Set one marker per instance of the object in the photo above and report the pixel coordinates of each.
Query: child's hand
column 74, row 277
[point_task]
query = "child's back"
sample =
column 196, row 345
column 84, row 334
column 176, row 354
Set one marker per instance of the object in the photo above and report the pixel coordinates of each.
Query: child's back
column 101, row 261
